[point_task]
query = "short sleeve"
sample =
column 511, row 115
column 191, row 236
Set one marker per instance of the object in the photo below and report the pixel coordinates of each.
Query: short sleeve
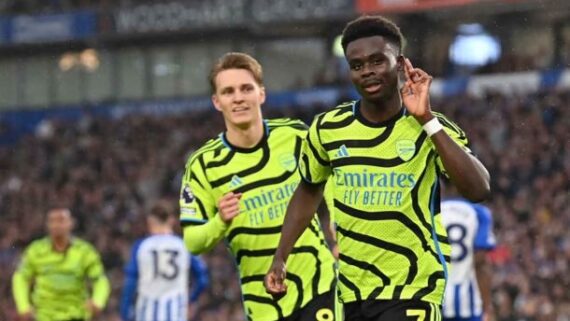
column 484, row 237
column 196, row 202
column 314, row 165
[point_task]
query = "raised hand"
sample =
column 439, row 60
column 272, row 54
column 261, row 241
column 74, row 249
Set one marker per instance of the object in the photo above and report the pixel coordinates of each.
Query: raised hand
column 415, row 92
column 275, row 279
column 228, row 206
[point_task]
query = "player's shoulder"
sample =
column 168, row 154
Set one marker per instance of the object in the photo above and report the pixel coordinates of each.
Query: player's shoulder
column 338, row 113
column 456, row 201
column 286, row 127
column 448, row 123
column 441, row 116
column 38, row 245
column 214, row 145
column 459, row 208
column 137, row 243
column 483, row 213
column 155, row 238
column 285, row 123
column 83, row 245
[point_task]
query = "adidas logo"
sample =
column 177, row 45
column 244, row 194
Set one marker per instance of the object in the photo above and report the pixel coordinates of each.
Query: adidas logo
column 342, row 152
column 236, row 181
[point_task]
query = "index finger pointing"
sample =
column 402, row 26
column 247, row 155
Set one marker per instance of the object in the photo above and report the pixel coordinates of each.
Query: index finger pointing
column 408, row 64
column 413, row 73
column 406, row 71
column 408, row 68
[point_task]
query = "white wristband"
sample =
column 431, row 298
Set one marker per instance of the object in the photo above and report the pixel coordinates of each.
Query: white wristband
column 432, row 127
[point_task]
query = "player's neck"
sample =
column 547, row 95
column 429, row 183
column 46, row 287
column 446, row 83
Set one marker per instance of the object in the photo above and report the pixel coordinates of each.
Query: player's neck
column 60, row 244
column 377, row 112
column 161, row 230
column 247, row 136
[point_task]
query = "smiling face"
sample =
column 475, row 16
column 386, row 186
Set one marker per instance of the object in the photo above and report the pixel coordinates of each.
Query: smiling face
column 374, row 64
column 239, row 97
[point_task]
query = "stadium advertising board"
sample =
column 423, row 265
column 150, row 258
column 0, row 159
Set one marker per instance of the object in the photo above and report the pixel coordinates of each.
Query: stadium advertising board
column 48, row 28
column 192, row 15
column 174, row 16
column 263, row 11
column 379, row 6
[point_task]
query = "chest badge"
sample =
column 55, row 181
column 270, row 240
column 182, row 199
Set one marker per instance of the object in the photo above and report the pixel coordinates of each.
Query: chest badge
column 406, row 149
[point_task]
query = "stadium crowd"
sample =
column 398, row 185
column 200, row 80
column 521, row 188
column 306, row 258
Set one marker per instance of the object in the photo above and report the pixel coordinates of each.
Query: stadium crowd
column 110, row 171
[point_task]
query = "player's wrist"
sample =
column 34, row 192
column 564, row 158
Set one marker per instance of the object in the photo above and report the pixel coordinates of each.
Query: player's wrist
column 279, row 258
column 222, row 222
column 425, row 118
column 432, row 126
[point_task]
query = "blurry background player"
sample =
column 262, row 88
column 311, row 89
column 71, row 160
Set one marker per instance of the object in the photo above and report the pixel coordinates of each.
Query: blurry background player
column 158, row 273
column 470, row 232
column 59, row 266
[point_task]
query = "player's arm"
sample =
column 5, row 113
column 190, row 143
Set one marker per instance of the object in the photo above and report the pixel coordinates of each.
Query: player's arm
column 300, row 212
column 483, row 268
column 483, row 243
column 200, row 276
column 314, row 168
column 202, row 238
column 130, row 285
column 204, row 220
column 100, row 282
column 21, row 281
column 465, row 171
column 324, row 215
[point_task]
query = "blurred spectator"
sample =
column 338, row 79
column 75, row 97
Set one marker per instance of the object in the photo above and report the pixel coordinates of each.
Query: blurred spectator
column 108, row 171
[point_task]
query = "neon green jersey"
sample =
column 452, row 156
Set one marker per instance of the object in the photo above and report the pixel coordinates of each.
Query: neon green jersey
column 386, row 197
column 267, row 176
column 60, row 288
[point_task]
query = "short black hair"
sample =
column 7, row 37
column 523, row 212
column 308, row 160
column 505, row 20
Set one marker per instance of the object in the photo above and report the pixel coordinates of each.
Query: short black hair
column 161, row 211
column 369, row 26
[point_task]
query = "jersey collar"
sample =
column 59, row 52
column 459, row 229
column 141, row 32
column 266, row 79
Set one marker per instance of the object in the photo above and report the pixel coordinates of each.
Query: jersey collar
column 386, row 123
column 262, row 142
column 69, row 245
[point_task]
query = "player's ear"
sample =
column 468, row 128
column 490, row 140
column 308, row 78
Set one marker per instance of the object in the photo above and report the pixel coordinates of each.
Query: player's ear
column 262, row 94
column 216, row 102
